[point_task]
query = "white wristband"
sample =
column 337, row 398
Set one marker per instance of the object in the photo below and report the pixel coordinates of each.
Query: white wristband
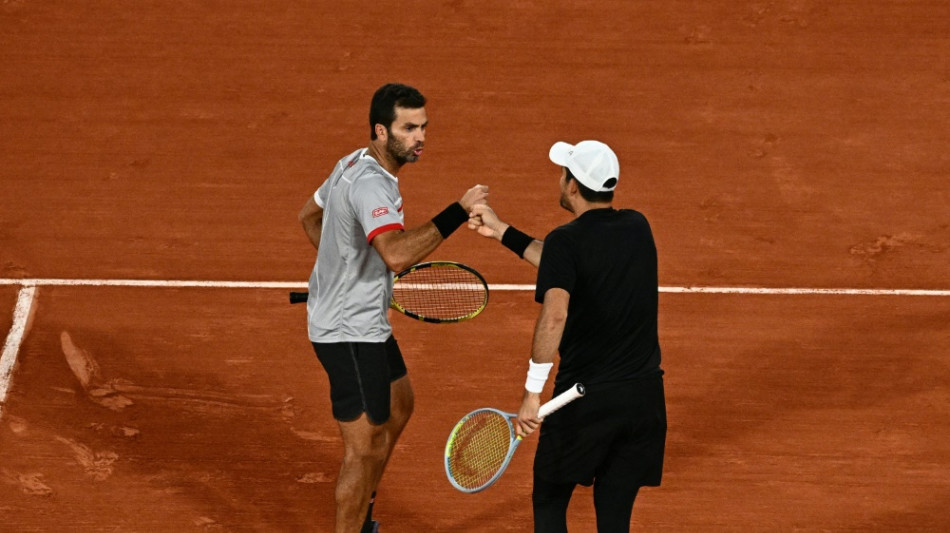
column 537, row 376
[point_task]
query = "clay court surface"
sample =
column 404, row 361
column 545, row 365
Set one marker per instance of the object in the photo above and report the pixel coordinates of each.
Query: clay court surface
column 148, row 146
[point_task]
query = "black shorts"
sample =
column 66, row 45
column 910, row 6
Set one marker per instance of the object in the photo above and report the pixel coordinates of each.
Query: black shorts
column 615, row 434
column 360, row 374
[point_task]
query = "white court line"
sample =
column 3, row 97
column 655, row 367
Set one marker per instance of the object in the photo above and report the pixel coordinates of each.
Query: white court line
column 797, row 290
column 36, row 282
column 21, row 316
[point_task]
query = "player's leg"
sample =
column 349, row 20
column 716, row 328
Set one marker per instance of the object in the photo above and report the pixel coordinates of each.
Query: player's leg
column 402, row 401
column 361, row 397
column 402, row 398
column 364, row 454
column 635, row 456
column 550, row 501
column 613, row 505
column 563, row 459
column 617, row 481
column 402, row 406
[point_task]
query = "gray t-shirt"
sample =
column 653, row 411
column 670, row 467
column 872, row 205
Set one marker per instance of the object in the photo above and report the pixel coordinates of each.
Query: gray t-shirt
column 351, row 282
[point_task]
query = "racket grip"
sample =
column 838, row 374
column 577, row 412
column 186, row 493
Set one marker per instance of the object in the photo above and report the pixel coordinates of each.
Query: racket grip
column 298, row 297
column 561, row 400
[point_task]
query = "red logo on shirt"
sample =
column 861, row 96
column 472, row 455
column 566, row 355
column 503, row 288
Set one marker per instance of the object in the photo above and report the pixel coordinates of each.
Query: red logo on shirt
column 380, row 211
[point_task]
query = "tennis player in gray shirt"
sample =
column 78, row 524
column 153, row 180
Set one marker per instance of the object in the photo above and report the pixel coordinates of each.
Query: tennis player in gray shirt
column 355, row 221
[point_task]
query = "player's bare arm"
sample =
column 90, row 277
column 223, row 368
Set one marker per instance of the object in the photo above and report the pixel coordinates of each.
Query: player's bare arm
column 484, row 220
column 547, row 337
column 311, row 217
column 400, row 249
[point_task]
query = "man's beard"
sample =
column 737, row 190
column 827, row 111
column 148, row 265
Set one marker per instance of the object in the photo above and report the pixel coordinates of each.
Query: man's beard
column 400, row 153
column 565, row 204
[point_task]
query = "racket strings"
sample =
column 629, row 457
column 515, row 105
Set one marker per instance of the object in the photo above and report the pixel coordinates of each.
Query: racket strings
column 443, row 293
column 479, row 449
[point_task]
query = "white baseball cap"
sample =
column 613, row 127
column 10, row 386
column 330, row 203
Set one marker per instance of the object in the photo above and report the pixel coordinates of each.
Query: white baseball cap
column 593, row 163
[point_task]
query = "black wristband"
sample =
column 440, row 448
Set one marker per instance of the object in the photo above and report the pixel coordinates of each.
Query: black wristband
column 450, row 219
column 516, row 241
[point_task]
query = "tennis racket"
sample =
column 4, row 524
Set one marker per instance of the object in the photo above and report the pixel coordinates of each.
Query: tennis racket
column 483, row 442
column 437, row 292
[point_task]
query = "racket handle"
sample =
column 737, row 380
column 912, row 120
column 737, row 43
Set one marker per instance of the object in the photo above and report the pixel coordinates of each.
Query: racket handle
column 561, row 400
column 298, row 297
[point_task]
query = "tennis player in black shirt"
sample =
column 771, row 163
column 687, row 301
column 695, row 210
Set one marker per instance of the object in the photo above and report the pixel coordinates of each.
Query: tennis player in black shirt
column 597, row 283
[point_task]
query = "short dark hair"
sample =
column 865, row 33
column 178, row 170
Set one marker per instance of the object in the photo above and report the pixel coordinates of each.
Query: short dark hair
column 382, row 110
column 589, row 194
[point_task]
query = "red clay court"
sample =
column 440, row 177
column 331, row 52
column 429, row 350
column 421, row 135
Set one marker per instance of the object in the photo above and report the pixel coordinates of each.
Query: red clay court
column 790, row 155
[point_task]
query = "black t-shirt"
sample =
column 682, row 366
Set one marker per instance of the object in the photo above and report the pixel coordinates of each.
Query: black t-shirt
column 606, row 260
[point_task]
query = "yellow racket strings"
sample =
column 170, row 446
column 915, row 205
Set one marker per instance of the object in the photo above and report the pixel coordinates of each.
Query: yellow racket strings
column 442, row 292
column 479, row 449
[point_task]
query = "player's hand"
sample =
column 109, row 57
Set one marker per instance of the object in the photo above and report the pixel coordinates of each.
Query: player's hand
column 474, row 196
column 483, row 219
column 528, row 420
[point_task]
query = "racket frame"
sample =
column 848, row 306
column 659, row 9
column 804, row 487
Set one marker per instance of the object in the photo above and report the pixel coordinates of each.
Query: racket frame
column 513, row 443
column 301, row 297
column 549, row 407
column 394, row 304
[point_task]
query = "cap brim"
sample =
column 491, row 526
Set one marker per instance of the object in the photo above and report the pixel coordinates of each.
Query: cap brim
column 560, row 152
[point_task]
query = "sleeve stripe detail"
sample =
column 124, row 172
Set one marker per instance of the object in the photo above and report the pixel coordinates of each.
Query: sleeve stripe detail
column 382, row 229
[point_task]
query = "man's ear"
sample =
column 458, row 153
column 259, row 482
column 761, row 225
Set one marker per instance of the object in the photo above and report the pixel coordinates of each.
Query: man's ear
column 572, row 187
column 381, row 132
